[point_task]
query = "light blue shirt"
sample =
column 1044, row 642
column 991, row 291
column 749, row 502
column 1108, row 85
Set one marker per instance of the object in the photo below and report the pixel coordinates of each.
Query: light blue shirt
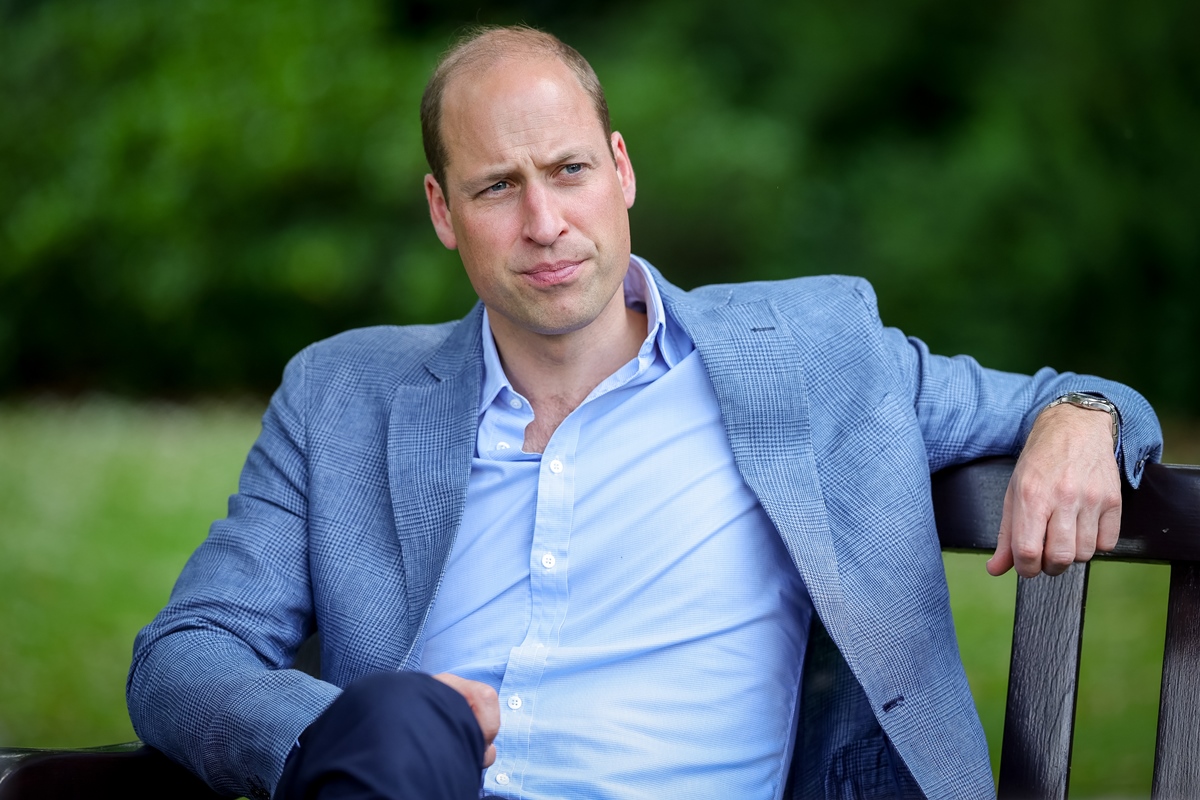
column 624, row 592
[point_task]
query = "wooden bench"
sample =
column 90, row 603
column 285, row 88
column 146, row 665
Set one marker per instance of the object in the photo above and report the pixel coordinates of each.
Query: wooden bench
column 1160, row 523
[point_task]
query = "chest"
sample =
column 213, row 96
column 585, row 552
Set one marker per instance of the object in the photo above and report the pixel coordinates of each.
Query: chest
column 636, row 494
column 626, row 562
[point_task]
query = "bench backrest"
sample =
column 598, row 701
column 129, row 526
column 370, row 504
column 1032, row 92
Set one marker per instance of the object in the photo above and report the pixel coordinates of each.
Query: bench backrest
column 1159, row 522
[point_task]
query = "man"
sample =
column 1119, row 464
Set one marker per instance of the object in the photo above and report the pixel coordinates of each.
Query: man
column 614, row 518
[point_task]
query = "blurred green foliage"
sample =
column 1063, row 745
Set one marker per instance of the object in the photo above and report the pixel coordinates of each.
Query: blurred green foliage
column 192, row 191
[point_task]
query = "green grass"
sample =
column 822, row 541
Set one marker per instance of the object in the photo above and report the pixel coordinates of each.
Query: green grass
column 101, row 502
column 1120, row 673
column 100, row 505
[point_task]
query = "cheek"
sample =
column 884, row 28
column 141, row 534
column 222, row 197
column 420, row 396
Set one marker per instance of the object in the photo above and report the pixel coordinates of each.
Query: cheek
column 612, row 208
column 483, row 254
column 483, row 233
column 618, row 224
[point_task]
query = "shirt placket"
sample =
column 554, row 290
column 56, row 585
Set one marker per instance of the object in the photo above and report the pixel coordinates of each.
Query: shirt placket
column 549, row 558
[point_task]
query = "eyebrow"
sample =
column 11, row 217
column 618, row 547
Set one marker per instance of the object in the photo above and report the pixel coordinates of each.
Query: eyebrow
column 503, row 172
column 489, row 179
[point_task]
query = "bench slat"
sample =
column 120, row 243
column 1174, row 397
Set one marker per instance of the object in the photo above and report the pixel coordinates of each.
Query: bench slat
column 1175, row 772
column 1047, row 635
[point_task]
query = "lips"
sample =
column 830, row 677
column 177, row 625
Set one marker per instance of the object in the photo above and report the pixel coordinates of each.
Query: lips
column 552, row 273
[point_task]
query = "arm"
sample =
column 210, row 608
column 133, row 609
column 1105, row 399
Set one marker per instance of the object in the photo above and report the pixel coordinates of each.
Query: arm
column 1064, row 498
column 209, row 683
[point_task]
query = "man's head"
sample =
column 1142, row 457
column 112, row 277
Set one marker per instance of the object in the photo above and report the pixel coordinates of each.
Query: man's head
column 534, row 191
column 482, row 47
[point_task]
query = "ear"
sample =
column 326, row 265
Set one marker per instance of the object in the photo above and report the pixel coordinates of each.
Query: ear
column 624, row 169
column 439, row 212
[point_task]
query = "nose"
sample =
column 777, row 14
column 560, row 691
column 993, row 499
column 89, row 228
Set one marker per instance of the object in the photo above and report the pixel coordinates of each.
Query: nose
column 544, row 220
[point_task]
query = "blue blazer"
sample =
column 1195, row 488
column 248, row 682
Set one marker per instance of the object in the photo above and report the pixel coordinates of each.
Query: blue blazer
column 351, row 497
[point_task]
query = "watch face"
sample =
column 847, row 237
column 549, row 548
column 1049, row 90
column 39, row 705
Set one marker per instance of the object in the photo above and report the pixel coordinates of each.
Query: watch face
column 1086, row 401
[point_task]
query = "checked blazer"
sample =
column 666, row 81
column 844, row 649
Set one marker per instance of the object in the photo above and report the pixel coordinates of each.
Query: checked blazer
column 350, row 499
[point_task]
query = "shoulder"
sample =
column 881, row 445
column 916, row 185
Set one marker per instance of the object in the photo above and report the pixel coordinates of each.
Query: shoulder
column 810, row 295
column 832, row 302
column 401, row 350
column 807, row 292
column 369, row 364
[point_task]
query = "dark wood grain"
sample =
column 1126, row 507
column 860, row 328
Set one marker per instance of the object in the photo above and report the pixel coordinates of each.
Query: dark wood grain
column 1175, row 757
column 1047, row 634
column 130, row 772
column 1160, row 521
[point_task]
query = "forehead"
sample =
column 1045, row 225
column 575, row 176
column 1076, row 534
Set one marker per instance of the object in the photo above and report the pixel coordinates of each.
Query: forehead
column 515, row 106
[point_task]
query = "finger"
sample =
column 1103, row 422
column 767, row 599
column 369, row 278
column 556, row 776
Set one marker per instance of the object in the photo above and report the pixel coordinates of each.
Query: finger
column 484, row 703
column 1001, row 561
column 1086, row 528
column 489, row 756
column 450, row 679
column 1031, row 512
column 1058, row 552
column 1109, row 528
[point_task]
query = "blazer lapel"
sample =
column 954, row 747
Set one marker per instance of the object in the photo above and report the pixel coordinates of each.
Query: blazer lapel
column 755, row 367
column 431, row 439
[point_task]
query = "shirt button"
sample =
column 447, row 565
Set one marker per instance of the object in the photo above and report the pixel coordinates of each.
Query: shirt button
column 548, row 560
column 502, row 778
column 556, row 466
column 502, row 445
column 514, row 403
column 514, row 703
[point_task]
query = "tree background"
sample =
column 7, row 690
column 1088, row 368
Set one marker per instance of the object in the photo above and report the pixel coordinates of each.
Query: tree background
column 192, row 191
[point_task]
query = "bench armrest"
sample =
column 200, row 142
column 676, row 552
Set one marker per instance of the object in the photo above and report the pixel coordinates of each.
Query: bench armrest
column 133, row 771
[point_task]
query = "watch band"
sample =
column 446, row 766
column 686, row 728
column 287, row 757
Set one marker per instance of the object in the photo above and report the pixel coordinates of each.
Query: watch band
column 1092, row 403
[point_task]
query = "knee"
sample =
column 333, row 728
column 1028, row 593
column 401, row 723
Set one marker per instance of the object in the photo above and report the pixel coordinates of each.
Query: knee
column 389, row 735
column 388, row 695
column 385, row 705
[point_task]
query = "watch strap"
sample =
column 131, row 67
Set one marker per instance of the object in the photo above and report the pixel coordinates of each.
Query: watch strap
column 1092, row 403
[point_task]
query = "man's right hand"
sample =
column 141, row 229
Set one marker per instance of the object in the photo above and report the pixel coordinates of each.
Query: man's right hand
column 485, row 703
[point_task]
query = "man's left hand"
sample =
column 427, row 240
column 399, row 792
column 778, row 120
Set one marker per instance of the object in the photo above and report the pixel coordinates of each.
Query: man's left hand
column 1064, row 499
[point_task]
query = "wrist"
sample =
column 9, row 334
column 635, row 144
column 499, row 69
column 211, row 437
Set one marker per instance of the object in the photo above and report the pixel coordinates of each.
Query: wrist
column 1091, row 403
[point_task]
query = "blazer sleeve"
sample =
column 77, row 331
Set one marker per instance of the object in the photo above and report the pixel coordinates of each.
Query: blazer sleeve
column 209, row 684
column 967, row 411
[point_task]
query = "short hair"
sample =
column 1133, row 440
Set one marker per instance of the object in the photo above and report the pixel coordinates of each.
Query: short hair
column 487, row 44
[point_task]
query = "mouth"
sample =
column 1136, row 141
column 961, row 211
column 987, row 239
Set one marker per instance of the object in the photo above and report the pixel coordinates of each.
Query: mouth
column 552, row 273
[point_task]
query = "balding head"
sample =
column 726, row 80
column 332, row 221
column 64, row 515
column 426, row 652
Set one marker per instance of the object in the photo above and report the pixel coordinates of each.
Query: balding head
column 481, row 48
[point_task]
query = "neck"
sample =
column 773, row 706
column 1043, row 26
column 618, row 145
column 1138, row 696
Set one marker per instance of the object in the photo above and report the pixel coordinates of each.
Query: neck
column 556, row 372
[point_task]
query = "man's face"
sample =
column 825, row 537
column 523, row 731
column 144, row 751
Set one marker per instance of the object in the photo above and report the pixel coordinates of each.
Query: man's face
column 533, row 200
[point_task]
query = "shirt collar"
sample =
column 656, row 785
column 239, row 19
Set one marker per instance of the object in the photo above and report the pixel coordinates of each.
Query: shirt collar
column 641, row 293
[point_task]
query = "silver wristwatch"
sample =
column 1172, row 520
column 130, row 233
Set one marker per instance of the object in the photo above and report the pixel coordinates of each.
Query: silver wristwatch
column 1092, row 403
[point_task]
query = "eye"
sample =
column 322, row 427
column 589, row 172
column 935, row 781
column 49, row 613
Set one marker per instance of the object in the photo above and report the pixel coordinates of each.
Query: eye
column 573, row 169
column 498, row 186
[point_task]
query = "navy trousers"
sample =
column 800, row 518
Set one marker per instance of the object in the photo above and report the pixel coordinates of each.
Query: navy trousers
column 388, row 736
